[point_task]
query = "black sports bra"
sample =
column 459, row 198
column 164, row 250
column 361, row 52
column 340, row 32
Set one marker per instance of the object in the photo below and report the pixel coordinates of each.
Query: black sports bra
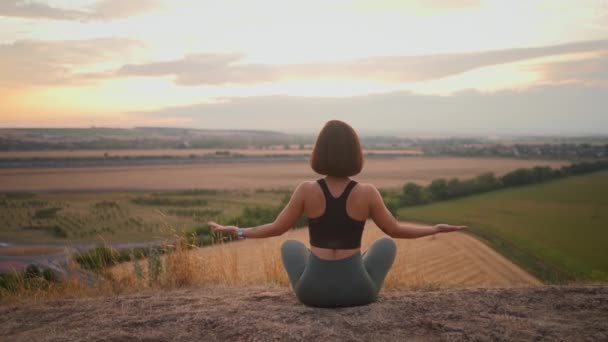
column 334, row 228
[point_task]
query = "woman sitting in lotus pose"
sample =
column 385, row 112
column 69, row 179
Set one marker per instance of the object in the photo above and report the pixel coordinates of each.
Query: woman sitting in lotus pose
column 333, row 272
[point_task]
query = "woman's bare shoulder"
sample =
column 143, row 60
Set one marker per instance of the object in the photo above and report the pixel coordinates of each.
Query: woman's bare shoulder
column 368, row 190
column 307, row 186
column 367, row 187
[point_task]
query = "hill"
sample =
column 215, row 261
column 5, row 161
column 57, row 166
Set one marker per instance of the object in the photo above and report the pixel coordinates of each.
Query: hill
column 273, row 314
column 454, row 260
column 556, row 230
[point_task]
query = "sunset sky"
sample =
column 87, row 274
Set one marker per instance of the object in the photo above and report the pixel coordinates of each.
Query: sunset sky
column 418, row 66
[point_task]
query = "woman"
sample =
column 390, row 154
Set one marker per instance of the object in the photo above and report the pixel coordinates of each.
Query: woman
column 333, row 272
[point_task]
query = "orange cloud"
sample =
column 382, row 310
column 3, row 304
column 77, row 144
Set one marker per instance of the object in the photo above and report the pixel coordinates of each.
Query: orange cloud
column 34, row 62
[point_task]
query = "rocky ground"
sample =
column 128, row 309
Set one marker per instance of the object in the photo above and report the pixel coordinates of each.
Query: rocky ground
column 555, row 313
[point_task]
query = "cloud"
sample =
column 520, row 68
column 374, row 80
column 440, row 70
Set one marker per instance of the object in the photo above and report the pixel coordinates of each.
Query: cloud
column 102, row 10
column 116, row 9
column 451, row 4
column 587, row 71
column 58, row 62
column 432, row 7
column 28, row 9
column 564, row 109
column 216, row 69
column 34, row 62
column 206, row 69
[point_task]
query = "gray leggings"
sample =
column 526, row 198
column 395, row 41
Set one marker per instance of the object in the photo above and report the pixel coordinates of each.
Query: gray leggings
column 355, row 280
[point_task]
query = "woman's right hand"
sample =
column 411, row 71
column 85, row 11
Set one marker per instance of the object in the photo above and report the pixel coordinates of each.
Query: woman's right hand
column 232, row 230
column 446, row 228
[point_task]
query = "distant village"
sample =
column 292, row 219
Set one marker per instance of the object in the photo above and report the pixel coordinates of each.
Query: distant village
column 548, row 151
column 150, row 138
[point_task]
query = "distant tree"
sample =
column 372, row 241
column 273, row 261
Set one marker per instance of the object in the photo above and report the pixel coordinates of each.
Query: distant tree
column 454, row 188
column 518, row 177
column 438, row 189
column 412, row 194
column 544, row 173
column 391, row 200
column 486, row 182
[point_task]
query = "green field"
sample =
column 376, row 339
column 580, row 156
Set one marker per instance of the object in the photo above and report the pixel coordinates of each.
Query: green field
column 122, row 216
column 557, row 230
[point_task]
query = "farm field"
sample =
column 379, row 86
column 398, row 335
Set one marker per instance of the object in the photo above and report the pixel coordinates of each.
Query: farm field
column 450, row 260
column 62, row 218
column 294, row 150
column 384, row 173
column 556, row 230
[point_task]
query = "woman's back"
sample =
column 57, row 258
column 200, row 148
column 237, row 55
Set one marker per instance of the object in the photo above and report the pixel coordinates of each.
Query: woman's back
column 342, row 192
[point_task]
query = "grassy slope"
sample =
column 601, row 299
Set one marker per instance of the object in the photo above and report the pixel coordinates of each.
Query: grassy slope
column 557, row 230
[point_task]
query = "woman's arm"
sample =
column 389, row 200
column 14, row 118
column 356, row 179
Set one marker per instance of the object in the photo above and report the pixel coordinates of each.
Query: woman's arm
column 285, row 220
column 388, row 224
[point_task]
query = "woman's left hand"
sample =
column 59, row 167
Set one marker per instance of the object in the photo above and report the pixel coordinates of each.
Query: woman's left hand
column 232, row 230
column 446, row 228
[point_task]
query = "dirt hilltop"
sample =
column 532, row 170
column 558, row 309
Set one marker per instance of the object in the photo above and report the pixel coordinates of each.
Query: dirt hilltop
column 556, row 313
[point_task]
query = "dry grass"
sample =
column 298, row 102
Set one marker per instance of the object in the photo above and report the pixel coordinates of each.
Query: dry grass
column 454, row 260
column 40, row 289
column 444, row 261
column 384, row 173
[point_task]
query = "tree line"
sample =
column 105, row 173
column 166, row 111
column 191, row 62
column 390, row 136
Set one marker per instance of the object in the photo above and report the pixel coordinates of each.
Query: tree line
column 444, row 189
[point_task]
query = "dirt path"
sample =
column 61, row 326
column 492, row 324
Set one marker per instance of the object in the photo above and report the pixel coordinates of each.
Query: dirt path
column 273, row 314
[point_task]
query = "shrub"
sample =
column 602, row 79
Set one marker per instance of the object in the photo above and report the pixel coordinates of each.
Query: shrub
column 391, row 200
column 49, row 275
column 106, row 205
column 11, row 281
column 516, row 178
column 47, row 213
column 199, row 236
column 455, row 188
column 438, row 189
column 485, row 182
column 137, row 269
column 412, row 194
column 32, row 271
column 33, row 278
column 59, row 232
column 98, row 258
column 155, row 266
column 544, row 173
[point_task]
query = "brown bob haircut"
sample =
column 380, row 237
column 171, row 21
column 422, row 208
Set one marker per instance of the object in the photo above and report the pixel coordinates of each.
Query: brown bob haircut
column 337, row 151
